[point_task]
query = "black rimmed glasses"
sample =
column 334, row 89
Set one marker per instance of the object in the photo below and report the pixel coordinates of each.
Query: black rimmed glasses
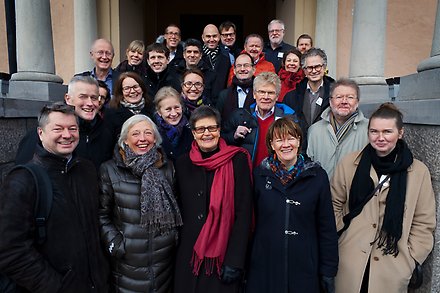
column 127, row 89
column 188, row 85
column 317, row 68
column 202, row 129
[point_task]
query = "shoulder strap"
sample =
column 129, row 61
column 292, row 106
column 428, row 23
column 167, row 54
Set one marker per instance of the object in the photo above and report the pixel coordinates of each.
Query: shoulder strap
column 351, row 215
column 44, row 198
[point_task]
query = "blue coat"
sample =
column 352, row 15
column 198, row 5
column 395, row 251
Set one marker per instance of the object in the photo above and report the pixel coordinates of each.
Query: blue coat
column 295, row 235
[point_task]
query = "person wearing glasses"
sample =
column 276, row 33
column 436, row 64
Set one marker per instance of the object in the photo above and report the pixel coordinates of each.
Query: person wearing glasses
column 240, row 94
column 312, row 95
column 95, row 140
column 342, row 129
column 276, row 47
column 248, row 127
column 139, row 214
column 70, row 257
column 193, row 96
column 102, row 54
column 130, row 98
column 228, row 38
column 215, row 194
column 172, row 38
column 295, row 245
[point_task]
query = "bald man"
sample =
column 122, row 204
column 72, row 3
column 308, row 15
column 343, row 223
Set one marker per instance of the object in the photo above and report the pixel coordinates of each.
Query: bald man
column 212, row 56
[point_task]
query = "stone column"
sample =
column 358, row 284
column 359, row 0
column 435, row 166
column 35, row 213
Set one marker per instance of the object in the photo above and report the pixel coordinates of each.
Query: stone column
column 434, row 60
column 86, row 31
column 368, row 42
column 35, row 56
column 327, row 31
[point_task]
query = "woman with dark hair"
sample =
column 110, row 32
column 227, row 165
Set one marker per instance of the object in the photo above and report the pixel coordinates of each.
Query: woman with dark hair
column 193, row 85
column 104, row 96
column 384, row 208
column 290, row 72
column 130, row 98
column 215, row 194
column 172, row 124
column 295, row 246
column 139, row 214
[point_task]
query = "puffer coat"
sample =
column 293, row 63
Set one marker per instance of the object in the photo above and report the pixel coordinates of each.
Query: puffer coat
column 141, row 261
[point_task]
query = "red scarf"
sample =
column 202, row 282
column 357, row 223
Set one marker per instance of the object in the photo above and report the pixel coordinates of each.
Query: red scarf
column 289, row 80
column 213, row 238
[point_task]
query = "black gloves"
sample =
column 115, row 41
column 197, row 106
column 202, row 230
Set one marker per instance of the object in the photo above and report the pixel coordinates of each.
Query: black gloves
column 230, row 275
column 328, row 284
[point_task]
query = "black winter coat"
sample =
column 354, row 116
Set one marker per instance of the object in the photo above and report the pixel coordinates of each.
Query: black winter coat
column 182, row 147
column 194, row 188
column 155, row 81
column 295, row 238
column 71, row 258
column 141, row 261
column 221, row 70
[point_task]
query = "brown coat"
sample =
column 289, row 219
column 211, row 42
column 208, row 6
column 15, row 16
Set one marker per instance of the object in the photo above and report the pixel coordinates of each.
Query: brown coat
column 387, row 273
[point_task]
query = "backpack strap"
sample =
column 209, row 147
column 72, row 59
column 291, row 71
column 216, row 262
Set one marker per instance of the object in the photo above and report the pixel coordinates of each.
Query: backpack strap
column 44, row 198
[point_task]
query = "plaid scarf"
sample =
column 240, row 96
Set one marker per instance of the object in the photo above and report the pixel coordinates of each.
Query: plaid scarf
column 342, row 130
column 280, row 170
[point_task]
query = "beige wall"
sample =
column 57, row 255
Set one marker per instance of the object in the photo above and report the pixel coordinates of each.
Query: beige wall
column 284, row 11
column 4, row 65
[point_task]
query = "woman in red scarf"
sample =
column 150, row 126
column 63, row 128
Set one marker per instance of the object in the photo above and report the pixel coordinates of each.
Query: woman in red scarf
column 291, row 72
column 215, row 195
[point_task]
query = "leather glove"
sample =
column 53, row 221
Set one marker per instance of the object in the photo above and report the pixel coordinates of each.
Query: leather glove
column 230, row 275
column 328, row 284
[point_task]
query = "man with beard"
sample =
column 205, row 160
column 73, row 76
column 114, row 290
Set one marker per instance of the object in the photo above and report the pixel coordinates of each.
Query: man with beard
column 95, row 140
column 158, row 73
column 276, row 47
column 240, row 93
column 253, row 45
column 228, row 37
column 218, row 62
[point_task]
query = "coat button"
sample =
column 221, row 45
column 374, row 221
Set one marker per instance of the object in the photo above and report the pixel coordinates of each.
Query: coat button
column 374, row 225
column 376, row 258
column 200, row 216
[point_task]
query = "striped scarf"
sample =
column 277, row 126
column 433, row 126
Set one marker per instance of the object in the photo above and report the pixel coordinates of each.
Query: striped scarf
column 342, row 130
column 212, row 54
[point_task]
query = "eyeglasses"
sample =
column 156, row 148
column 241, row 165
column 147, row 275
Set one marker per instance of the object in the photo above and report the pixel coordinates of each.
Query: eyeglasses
column 173, row 34
column 93, row 98
column 228, row 35
column 262, row 93
column 342, row 97
column 188, row 85
column 275, row 31
column 317, row 68
column 126, row 89
column 102, row 53
column 246, row 65
column 202, row 129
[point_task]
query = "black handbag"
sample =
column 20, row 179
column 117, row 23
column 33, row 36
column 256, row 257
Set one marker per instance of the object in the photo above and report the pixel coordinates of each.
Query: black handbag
column 417, row 277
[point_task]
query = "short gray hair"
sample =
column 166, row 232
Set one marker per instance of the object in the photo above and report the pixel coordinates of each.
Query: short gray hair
column 80, row 78
column 267, row 78
column 276, row 21
column 135, row 119
column 314, row 52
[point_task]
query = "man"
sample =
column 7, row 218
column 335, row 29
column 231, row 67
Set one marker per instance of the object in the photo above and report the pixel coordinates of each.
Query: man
column 304, row 43
column 172, row 41
column 248, row 128
column 228, row 34
column 212, row 56
column 70, row 258
column 253, row 45
column 158, row 73
column 240, row 93
column 343, row 128
column 311, row 96
column 276, row 47
column 102, row 54
column 95, row 140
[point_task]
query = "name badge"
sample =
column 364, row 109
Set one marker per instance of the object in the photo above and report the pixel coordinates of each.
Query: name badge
column 319, row 101
column 280, row 54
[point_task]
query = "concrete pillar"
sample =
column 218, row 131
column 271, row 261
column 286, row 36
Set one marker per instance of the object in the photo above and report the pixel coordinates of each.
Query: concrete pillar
column 434, row 60
column 85, row 32
column 35, row 56
column 368, row 43
column 327, row 31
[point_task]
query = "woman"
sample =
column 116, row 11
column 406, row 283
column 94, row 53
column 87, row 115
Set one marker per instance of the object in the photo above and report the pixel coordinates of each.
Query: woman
column 295, row 247
column 193, row 86
column 172, row 124
column 214, row 187
column 135, row 59
column 385, row 210
column 130, row 98
column 290, row 72
column 139, row 215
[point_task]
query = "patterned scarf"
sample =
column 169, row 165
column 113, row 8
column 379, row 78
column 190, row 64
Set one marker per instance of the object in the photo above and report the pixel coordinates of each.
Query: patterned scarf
column 342, row 130
column 192, row 105
column 159, row 210
column 212, row 241
column 212, row 54
column 134, row 108
column 173, row 132
column 280, row 170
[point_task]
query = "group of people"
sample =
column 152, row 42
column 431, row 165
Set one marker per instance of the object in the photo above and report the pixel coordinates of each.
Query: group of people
column 216, row 169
